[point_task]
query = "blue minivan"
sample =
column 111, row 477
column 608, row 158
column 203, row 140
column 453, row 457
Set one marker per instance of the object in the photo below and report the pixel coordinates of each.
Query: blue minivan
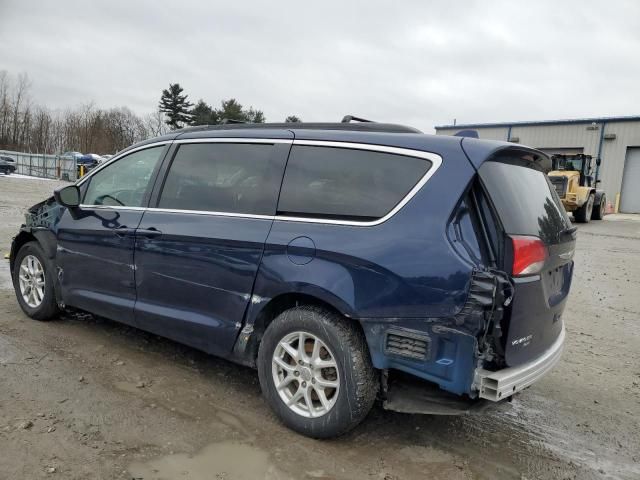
column 345, row 261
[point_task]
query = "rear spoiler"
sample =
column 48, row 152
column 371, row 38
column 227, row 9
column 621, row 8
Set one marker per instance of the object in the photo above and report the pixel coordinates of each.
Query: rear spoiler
column 479, row 151
column 467, row 133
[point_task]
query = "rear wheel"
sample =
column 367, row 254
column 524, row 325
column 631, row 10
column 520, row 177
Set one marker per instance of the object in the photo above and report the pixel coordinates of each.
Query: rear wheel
column 599, row 210
column 33, row 282
column 315, row 372
column 583, row 214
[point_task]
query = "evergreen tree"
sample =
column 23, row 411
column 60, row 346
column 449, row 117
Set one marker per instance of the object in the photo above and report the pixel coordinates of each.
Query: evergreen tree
column 203, row 114
column 175, row 106
column 254, row 116
column 292, row 119
column 232, row 110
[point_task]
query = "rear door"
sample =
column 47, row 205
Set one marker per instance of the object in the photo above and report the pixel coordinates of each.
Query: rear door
column 534, row 241
column 199, row 246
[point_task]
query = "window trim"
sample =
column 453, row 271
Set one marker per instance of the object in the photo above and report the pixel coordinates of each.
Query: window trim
column 435, row 159
column 118, row 157
column 115, row 158
column 164, row 175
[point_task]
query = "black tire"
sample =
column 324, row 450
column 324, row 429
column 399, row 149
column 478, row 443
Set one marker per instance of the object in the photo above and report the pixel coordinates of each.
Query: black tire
column 599, row 210
column 357, row 379
column 583, row 214
column 48, row 308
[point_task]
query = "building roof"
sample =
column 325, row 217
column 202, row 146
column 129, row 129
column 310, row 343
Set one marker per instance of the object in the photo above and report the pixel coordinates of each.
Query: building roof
column 630, row 118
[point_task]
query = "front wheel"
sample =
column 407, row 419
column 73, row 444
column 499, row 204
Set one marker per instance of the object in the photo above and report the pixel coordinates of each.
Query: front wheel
column 583, row 214
column 33, row 282
column 315, row 372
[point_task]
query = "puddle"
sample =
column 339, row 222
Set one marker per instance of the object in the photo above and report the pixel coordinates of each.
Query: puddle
column 5, row 275
column 12, row 355
column 9, row 353
column 219, row 461
column 128, row 387
column 532, row 433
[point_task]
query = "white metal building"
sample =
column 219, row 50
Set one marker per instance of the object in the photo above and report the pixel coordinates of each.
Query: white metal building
column 616, row 140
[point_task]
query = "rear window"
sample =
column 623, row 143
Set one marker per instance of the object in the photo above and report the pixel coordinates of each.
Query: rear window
column 525, row 200
column 341, row 183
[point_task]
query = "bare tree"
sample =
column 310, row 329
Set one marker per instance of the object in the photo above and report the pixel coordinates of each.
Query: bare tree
column 155, row 124
column 19, row 97
column 4, row 106
column 27, row 126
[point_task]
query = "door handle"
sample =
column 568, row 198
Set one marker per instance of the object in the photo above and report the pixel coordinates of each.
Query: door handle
column 151, row 232
column 122, row 231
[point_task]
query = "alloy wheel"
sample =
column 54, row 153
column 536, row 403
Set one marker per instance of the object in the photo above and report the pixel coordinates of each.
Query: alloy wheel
column 305, row 374
column 32, row 279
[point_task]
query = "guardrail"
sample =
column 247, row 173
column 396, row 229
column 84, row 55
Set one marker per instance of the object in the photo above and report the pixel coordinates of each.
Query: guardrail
column 44, row 166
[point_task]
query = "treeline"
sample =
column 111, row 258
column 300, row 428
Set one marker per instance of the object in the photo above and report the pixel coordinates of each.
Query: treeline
column 181, row 112
column 28, row 127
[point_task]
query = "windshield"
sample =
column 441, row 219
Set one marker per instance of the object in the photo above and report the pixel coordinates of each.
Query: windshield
column 568, row 164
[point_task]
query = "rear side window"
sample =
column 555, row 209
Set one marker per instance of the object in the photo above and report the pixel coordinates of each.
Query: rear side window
column 223, row 177
column 341, row 183
column 525, row 200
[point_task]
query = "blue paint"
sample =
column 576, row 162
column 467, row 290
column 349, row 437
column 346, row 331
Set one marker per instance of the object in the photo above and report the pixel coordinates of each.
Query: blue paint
column 301, row 250
column 445, row 361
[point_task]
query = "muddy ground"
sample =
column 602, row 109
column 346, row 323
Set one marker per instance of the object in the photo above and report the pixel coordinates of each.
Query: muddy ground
column 82, row 397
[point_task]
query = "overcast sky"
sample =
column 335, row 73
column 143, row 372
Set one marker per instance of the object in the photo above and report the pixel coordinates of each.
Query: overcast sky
column 420, row 63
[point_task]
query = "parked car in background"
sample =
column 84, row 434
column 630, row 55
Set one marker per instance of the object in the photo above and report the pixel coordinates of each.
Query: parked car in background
column 343, row 261
column 72, row 155
column 105, row 158
column 88, row 160
column 7, row 165
column 95, row 156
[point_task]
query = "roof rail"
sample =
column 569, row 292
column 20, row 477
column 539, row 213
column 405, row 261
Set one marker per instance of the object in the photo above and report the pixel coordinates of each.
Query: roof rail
column 355, row 126
column 227, row 121
column 350, row 118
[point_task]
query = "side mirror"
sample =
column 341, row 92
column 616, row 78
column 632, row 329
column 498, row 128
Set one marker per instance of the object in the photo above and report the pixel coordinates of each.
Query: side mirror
column 598, row 161
column 68, row 196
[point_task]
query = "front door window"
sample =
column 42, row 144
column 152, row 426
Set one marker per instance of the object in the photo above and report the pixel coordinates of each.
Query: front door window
column 124, row 182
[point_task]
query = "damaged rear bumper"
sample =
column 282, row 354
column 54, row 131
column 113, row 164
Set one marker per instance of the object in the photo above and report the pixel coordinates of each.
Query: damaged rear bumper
column 501, row 384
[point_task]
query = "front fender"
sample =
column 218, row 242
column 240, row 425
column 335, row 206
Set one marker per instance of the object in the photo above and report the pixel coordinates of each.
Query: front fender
column 47, row 240
column 582, row 194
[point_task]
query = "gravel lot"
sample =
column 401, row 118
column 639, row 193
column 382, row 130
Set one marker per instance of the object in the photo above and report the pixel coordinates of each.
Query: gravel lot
column 82, row 397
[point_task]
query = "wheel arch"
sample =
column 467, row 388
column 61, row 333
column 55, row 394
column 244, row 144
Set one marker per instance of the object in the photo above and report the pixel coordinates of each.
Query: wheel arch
column 47, row 241
column 19, row 240
column 259, row 317
column 582, row 194
column 45, row 238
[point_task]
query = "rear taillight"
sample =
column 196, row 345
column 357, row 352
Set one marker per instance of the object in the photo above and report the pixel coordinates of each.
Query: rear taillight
column 529, row 255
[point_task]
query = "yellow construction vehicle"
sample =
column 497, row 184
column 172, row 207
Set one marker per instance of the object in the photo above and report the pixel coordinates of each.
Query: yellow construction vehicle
column 574, row 178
